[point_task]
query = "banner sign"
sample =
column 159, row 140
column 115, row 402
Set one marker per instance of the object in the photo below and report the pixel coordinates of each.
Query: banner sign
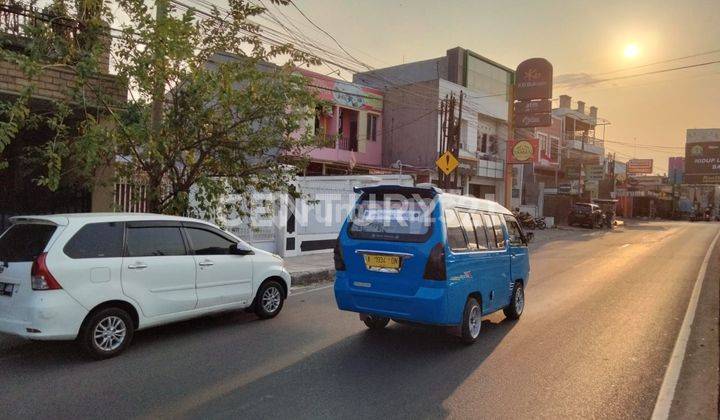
column 522, row 151
column 572, row 171
column 534, row 79
column 587, row 160
column 344, row 93
column 639, row 166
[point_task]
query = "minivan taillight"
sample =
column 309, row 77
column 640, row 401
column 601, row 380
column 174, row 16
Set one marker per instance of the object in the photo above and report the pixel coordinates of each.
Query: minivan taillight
column 41, row 278
column 338, row 257
column 435, row 267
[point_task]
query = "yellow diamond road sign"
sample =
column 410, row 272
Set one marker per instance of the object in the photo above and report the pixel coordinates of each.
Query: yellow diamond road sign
column 447, row 163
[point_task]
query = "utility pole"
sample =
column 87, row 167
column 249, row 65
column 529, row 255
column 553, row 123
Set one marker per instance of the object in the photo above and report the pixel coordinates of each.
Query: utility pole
column 455, row 149
column 510, row 137
column 161, row 10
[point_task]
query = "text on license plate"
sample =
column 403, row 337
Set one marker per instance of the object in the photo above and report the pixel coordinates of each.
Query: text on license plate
column 382, row 261
column 6, row 289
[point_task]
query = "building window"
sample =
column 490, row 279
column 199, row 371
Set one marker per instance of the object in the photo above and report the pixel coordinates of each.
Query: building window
column 464, row 135
column 372, row 127
column 483, row 142
column 544, row 146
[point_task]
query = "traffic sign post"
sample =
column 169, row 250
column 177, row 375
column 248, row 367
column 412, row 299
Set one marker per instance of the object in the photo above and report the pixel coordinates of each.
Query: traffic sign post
column 447, row 163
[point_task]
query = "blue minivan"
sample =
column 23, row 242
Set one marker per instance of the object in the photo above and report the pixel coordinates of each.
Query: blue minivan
column 419, row 255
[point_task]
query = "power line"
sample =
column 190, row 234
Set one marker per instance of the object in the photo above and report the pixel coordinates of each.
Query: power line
column 660, row 62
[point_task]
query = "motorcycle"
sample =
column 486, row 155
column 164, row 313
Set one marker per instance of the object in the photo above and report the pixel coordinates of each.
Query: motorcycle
column 526, row 220
column 540, row 223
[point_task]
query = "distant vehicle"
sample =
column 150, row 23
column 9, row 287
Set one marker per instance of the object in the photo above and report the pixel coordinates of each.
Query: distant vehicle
column 608, row 208
column 420, row 255
column 98, row 278
column 585, row 214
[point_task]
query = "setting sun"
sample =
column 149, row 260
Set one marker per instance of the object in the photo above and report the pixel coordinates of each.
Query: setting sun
column 631, row 50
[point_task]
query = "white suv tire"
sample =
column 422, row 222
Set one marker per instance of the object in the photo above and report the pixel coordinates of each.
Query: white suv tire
column 106, row 333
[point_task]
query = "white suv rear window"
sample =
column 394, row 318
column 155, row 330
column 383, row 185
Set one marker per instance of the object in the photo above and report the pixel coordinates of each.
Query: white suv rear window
column 23, row 242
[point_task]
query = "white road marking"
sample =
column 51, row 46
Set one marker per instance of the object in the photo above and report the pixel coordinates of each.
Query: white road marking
column 672, row 374
column 316, row 289
column 623, row 246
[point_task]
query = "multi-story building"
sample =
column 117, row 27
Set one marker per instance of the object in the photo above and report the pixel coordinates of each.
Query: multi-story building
column 19, row 192
column 353, row 127
column 583, row 147
column 411, row 112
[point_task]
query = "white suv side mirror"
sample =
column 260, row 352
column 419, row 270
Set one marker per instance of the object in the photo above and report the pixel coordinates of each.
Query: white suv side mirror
column 241, row 248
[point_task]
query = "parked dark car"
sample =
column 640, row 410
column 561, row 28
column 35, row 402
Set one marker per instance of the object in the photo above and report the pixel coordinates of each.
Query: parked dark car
column 585, row 214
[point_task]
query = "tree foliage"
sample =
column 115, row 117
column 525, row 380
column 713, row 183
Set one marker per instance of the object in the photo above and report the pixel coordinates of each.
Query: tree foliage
column 227, row 116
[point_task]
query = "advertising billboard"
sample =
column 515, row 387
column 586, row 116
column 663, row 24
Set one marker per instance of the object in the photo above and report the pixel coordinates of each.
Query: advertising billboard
column 639, row 166
column 702, row 160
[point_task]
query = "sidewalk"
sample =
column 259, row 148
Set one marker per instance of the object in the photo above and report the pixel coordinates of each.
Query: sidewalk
column 313, row 268
column 319, row 268
column 696, row 394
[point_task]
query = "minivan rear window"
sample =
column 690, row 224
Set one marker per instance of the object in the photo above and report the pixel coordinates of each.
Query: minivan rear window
column 392, row 217
column 23, row 242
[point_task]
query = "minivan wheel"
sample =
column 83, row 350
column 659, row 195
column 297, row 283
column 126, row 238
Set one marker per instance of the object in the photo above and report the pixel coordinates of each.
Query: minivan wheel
column 106, row 333
column 472, row 321
column 375, row 322
column 517, row 303
column 269, row 300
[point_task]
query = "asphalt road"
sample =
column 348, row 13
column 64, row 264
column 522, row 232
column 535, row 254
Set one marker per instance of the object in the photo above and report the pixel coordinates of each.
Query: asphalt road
column 603, row 312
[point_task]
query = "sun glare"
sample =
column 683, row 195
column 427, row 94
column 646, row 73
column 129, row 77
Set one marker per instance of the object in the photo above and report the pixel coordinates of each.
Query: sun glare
column 631, row 50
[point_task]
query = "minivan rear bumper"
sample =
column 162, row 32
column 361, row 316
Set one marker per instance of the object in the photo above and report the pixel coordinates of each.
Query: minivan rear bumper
column 427, row 306
column 44, row 315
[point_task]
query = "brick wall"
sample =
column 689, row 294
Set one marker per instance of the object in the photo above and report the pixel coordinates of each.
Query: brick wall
column 56, row 83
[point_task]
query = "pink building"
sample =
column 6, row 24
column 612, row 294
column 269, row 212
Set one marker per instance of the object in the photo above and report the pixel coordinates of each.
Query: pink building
column 354, row 125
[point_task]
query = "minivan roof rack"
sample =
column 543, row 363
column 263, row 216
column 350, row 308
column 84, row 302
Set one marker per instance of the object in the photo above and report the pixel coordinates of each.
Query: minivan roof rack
column 420, row 188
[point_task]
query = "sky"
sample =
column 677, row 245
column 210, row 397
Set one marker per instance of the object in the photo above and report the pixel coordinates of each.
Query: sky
column 584, row 40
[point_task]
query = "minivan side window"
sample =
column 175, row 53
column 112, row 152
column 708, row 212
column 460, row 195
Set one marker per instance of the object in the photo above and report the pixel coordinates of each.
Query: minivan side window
column 204, row 242
column 499, row 235
column 455, row 235
column 480, row 232
column 514, row 231
column 490, row 231
column 467, row 225
column 154, row 241
column 97, row 240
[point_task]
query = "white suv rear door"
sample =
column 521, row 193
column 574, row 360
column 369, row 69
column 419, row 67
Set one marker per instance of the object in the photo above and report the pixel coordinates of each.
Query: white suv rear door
column 158, row 272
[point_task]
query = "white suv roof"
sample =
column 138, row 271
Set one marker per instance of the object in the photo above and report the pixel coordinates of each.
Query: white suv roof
column 64, row 219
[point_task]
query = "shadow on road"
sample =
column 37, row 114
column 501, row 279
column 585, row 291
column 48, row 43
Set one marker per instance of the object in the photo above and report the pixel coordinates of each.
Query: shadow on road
column 402, row 371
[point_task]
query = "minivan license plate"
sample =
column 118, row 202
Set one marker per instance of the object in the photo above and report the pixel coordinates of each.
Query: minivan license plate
column 382, row 261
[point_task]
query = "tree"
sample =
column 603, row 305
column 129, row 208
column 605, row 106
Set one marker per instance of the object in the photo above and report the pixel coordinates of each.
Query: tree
column 227, row 117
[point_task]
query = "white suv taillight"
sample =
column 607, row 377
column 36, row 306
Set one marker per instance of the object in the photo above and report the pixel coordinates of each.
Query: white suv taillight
column 41, row 278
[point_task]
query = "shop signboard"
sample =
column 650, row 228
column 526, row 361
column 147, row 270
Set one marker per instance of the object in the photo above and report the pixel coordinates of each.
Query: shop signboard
column 639, row 166
column 594, row 172
column 572, row 171
column 522, row 151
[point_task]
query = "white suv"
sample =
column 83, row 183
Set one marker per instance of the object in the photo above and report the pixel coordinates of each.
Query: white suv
column 98, row 277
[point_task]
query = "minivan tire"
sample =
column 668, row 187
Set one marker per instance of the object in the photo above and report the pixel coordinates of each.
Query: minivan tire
column 517, row 302
column 269, row 300
column 375, row 322
column 116, row 324
column 472, row 321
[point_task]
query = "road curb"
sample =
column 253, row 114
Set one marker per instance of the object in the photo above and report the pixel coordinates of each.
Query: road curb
column 304, row 278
